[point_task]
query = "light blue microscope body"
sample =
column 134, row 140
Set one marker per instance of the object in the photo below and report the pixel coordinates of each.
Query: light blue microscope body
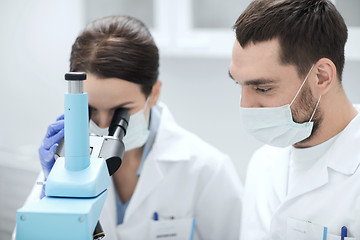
column 76, row 187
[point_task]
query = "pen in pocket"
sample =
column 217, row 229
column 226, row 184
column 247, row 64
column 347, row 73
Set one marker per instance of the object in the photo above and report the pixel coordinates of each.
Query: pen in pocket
column 156, row 217
column 343, row 232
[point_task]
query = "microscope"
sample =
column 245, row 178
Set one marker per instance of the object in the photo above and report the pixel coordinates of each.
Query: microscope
column 76, row 187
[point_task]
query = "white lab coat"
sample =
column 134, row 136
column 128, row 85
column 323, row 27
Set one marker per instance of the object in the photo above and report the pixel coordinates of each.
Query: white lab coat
column 329, row 194
column 183, row 177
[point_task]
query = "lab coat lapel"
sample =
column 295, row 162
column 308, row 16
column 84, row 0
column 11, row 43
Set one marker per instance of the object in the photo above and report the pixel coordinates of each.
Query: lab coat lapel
column 316, row 177
column 151, row 176
column 280, row 175
column 169, row 146
column 343, row 156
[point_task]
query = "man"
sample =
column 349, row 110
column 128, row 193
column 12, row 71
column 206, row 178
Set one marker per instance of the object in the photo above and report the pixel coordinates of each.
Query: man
column 288, row 58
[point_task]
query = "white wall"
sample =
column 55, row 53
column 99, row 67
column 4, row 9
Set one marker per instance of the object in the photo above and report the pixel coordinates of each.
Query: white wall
column 35, row 45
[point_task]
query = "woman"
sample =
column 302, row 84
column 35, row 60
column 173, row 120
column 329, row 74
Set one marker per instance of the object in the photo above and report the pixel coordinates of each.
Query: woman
column 168, row 175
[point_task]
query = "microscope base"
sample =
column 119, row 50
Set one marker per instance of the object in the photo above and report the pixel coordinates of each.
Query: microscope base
column 60, row 218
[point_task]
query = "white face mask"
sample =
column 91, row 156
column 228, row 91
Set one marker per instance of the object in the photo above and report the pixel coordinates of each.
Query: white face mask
column 275, row 125
column 137, row 131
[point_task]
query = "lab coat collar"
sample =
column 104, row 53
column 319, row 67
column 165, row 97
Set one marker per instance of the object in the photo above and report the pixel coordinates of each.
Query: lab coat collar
column 342, row 157
column 316, row 177
column 149, row 179
column 170, row 143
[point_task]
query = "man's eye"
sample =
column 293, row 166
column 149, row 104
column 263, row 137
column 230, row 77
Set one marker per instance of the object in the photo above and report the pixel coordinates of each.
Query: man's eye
column 263, row 90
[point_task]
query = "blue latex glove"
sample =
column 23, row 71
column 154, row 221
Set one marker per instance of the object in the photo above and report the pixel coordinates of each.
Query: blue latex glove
column 54, row 134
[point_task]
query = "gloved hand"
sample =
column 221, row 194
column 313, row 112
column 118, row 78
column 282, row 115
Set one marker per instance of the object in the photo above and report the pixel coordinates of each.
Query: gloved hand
column 54, row 134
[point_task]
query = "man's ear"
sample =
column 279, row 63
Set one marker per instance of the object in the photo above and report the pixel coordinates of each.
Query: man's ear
column 154, row 95
column 326, row 76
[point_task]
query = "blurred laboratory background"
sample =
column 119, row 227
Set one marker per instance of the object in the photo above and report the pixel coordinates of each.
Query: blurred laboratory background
column 195, row 38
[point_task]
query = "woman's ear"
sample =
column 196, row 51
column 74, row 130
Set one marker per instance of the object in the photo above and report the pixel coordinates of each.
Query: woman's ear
column 326, row 76
column 154, row 95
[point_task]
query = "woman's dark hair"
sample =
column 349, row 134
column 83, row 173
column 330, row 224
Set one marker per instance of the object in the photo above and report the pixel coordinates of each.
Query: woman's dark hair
column 117, row 47
column 307, row 30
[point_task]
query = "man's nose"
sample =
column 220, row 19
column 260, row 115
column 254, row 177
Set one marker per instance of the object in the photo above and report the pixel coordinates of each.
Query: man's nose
column 247, row 99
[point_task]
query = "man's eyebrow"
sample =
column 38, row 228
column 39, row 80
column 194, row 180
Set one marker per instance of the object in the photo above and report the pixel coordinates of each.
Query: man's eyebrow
column 259, row 81
column 255, row 82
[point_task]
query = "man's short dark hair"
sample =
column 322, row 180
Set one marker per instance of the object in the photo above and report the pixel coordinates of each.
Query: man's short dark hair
column 307, row 30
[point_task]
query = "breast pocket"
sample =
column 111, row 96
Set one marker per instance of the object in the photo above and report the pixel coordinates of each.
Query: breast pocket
column 336, row 237
column 172, row 229
column 306, row 230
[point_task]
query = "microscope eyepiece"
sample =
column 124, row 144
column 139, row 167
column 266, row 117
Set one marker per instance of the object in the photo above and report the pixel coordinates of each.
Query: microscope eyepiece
column 113, row 147
column 75, row 82
column 75, row 76
column 119, row 123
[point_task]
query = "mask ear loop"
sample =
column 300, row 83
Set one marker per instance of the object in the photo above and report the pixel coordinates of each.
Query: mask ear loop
column 312, row 115
column 302, row 84
column 146, row 104
column 240, row 100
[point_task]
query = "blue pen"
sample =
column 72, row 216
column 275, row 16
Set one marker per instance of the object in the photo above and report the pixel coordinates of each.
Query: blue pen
column 343, row 232
column 156, row 216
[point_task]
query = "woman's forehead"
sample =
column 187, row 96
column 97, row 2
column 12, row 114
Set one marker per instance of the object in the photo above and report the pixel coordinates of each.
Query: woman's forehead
column 111, row 92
